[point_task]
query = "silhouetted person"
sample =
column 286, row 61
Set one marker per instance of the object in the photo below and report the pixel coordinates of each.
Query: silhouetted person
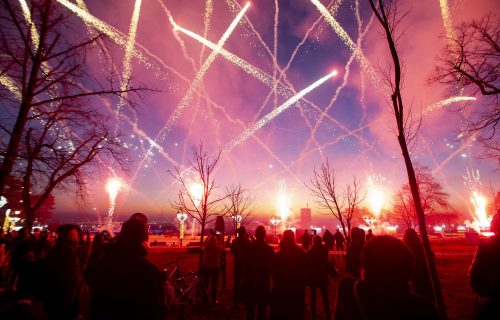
column 223, row 259
column 210, row 266
column 369, row 235
column 22, row 261
column 305, row 240
column 256, row 280
column 384, row 292
column 354, row 251
column 288, row 271
column 328, row 239
column 239, row 249
column 421, row 280
column 339, row 239
column 62, row 277
column 124, row 283
column 484, row 274
column 318, row 275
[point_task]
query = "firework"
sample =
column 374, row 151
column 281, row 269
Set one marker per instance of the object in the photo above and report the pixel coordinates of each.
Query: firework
column 472, row 181
column 113, row 187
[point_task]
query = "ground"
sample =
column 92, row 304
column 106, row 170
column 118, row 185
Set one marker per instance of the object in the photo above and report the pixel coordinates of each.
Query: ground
column 453, row 256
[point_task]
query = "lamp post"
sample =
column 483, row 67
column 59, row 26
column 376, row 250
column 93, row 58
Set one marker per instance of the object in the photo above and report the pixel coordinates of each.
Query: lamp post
column 370, row 220
column 275, row 220
column 181, row 217
column 237, row 220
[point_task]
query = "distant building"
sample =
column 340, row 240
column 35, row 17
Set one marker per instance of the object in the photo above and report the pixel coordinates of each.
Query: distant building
column 305, row 218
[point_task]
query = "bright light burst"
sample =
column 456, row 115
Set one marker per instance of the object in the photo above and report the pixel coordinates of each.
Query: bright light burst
column 113, row 187
column 196, row 191
column 376, row 197
column 283, row 202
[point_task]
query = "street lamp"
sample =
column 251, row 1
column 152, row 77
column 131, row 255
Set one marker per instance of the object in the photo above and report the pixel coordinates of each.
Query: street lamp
column 275, row 220
column 181, row 217
column 370, row 220
column 237, row 220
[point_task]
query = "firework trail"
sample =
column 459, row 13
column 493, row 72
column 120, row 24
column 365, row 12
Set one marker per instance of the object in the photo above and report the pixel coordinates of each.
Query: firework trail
column 207, row 17
column 275, row 50
column 262, row 122
column 201, row 73
column 454, row 154
column 266, row 79
column 8, row 83
column 448, row 24
column 347, row 41
column 27, row 17
column 129, row 48
column 179, row 39
column 446, row 102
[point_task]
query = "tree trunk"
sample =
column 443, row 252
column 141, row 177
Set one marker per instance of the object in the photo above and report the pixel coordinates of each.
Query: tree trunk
column 202, row 234
column 13, row 147
column 429, row 257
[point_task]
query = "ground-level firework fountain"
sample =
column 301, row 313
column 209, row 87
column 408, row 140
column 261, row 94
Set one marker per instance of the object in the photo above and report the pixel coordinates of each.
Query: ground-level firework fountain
column 283, row 203
column 113, row 187
column 481, row 219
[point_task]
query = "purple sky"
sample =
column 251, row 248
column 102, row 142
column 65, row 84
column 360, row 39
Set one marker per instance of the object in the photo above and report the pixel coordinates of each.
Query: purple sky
column 348, row 114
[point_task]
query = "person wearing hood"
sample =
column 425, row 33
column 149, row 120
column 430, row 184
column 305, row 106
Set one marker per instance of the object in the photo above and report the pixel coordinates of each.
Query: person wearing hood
column 124, row 284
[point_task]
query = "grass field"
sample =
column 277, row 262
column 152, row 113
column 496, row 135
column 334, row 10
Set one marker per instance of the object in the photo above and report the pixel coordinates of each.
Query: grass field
column 453, row 258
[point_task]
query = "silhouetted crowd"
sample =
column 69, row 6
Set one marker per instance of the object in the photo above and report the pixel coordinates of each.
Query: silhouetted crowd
column 111, row 278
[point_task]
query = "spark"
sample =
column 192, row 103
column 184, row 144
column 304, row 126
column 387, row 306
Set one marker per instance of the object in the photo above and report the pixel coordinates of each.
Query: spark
column 270, row 116
column 347, row 40
column 447, row 101
column 113, row 187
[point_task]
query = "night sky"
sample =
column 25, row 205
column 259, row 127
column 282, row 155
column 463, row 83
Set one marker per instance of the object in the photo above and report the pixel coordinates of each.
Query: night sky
column 347, row 118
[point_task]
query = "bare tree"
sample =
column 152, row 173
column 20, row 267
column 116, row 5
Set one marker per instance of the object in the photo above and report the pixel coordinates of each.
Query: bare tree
column 431, row 192
column 43, row 65
column 341, row 204
column 404, row 208
column 239, row 205
column 471, row 63
column 61, row 149
column 389, row 18
column 198, row 193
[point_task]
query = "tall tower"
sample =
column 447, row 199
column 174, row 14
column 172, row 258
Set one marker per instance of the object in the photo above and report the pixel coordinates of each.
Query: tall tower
column 305, row 218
